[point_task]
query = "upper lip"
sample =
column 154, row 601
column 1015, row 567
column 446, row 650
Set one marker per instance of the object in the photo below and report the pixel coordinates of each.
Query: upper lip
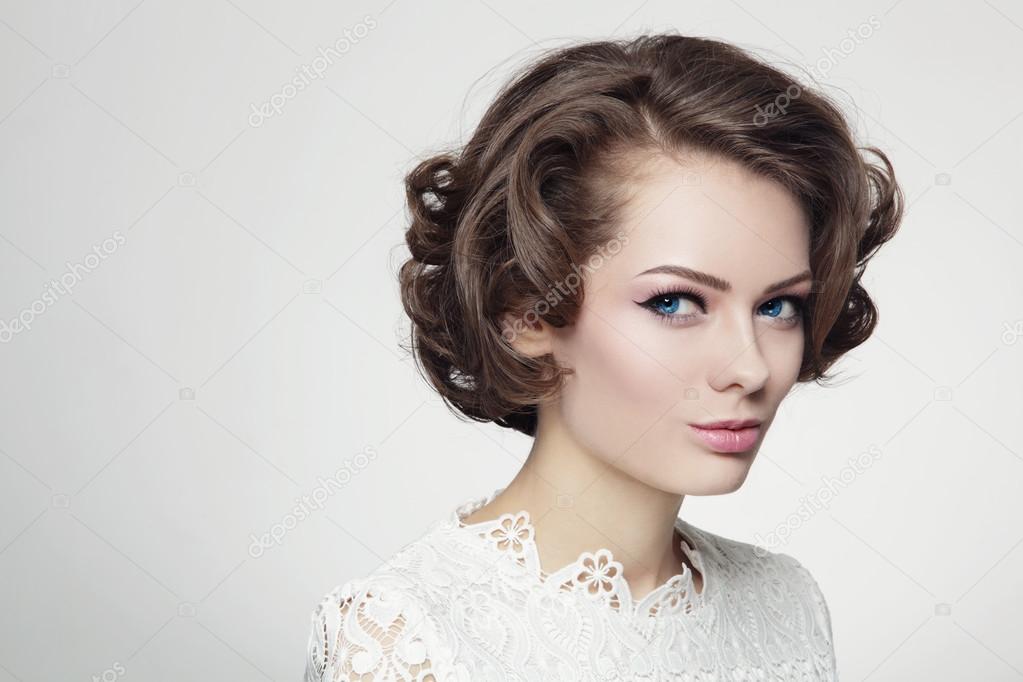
column 729, row 424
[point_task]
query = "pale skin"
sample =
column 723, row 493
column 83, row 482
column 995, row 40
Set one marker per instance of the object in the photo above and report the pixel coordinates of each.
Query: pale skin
column 614, row 455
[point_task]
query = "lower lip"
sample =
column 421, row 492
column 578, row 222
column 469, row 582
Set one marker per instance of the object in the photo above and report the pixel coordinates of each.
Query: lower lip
column 728, row 440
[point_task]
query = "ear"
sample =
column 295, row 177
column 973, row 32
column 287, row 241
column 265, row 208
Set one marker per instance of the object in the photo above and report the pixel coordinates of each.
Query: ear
column 527, row 334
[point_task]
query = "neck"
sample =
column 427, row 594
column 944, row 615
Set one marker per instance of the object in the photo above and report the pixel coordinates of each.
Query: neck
column 579, row 503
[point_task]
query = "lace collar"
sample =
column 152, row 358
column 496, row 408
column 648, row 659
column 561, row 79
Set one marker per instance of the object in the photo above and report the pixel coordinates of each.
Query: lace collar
column 595, row 574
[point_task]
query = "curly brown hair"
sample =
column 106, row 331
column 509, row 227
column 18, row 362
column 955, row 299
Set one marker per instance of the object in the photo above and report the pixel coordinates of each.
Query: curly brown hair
column 539, row 187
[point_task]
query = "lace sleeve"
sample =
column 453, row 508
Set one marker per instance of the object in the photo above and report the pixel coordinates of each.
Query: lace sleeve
column 821, row 634
column 365, row 631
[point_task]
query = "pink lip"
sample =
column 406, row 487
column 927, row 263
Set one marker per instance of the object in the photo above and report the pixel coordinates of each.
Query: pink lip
column 728, row 440
column 729, row 424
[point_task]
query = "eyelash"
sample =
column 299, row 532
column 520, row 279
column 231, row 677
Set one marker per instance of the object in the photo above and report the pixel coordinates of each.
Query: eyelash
column 798, row 301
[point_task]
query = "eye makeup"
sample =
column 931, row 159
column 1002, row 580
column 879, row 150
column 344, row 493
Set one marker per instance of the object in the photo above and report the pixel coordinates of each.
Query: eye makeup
column 654, row 302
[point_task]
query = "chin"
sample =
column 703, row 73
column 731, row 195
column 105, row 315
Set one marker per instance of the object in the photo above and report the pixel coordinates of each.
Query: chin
column 713, row 473
column 717, row 486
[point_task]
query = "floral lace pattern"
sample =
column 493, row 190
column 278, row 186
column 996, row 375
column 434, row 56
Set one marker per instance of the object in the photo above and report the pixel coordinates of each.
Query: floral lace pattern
column 468, row 602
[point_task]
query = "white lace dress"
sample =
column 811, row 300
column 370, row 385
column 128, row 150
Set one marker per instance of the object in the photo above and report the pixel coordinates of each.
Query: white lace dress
column 469, row 603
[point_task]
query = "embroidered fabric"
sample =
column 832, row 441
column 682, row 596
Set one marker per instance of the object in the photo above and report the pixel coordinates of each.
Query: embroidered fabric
column 470, row 602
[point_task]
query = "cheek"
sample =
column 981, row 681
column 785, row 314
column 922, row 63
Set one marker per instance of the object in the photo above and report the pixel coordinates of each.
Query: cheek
column 625, row 379
column 783, row 353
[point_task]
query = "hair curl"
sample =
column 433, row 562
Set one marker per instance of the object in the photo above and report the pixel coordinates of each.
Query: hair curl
column 538, row 188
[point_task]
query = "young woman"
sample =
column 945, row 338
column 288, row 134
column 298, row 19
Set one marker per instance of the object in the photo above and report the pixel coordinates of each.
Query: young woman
column 644, row 245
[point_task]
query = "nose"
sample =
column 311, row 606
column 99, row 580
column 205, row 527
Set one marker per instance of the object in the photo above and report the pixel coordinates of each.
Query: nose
column 739, row 358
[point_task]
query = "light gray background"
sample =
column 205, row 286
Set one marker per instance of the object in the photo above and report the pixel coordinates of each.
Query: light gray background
column 242, row 341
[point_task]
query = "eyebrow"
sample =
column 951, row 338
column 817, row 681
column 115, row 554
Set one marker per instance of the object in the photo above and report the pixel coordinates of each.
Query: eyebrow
column 718, row 283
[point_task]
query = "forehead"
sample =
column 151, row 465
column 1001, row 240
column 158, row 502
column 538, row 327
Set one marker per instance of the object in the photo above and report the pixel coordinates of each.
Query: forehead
column 712, row 214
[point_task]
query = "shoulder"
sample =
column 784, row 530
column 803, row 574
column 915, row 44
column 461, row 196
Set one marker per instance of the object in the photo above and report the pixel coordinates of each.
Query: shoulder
column 760, row 571
column 751, row 558
column 375, row 626
column 380, row 624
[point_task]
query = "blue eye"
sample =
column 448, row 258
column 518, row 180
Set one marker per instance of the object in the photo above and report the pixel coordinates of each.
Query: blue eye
column 773, row 308
column 665, row 305
column 666, row 308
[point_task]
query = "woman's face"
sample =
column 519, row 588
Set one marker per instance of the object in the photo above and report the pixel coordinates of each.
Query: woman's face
column 686, row 324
